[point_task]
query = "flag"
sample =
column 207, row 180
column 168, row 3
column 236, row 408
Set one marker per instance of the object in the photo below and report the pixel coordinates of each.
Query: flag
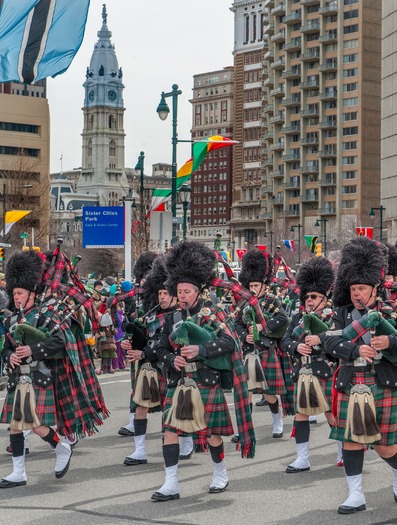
column 311, row 242
column 364, row 232
column 240, row 252
column 201, row 148
column 290, row 244
column 161, row 195
column 261, row 247
column 39, row 38
column 12, row 217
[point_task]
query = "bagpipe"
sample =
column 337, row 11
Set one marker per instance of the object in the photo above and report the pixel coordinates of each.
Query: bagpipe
column 310, row 396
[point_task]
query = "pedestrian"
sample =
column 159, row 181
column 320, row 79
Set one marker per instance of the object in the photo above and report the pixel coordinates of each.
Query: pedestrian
column 364, row 343
column 106, row 343
column 118, row 362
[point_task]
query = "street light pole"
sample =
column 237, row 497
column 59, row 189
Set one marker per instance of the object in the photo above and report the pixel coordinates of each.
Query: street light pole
column 185, row 193
column 271, row 239
column 128, row 202
column 292, row 230
column 372, row 215
column 140, row 166
column 163, row 111
column 324, row 220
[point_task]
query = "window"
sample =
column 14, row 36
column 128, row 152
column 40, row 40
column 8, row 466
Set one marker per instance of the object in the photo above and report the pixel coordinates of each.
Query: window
column 349, row 145
column 349, row 189
column 350, row 2
column 349, row 204
column 349, row 160
column 347, row 15
column 350, row 102
column 350, row 43
column 352, row 174
column 350, row 116
column 112, row 148
column 353, row 86
column 350, row 131
column 350, row 29
column 353, row 57
column 353, row 72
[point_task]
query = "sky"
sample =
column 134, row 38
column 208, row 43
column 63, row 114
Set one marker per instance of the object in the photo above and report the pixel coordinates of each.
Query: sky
column 158, row 43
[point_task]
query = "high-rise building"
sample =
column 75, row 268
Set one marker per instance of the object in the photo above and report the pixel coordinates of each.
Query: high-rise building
column 321, row 164
column 212, row 105
column 247, row 226
column 25, row 158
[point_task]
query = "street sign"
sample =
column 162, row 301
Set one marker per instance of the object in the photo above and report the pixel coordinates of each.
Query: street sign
column 5, row 245
column 103, row 226
column 24, row 235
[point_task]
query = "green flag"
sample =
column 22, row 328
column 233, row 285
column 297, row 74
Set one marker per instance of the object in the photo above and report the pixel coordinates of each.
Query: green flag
column 311, row 242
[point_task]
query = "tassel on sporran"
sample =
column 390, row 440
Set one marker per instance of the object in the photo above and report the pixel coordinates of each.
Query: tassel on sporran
column 255, row 376
column 24, row 415
column 310, row 395
column 187, row 409
column 147, row 392
column 361, row 425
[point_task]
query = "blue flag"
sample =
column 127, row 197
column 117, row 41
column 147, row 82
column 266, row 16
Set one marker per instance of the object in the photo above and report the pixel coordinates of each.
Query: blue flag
column 290, row 244
column 39, row 38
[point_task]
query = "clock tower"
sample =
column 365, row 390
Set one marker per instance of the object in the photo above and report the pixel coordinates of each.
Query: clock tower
column 102, row 168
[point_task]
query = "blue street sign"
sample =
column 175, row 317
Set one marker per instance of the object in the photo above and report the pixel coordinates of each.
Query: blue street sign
column 103, row 226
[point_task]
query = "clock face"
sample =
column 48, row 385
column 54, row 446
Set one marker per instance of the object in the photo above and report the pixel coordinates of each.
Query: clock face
column 112, row 95
column 91, row 95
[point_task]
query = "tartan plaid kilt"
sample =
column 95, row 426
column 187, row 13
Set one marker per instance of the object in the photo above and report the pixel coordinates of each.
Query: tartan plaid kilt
column 287, row 399
column 45, row 406
column 217, row 415
column 273, row 373
column 386, row 410
column 162, row 389
column 326, row 386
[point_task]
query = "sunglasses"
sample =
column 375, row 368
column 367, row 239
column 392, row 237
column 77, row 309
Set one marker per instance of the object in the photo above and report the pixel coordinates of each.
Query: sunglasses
column 313, row 296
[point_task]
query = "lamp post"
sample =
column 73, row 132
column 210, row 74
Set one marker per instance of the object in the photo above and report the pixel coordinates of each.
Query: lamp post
column 292, row 230
column 140, row 166
column 185, row 195
column 271, row 239
column 324, row 220
column 129, row 203
column 163, row 111
column 372, row 215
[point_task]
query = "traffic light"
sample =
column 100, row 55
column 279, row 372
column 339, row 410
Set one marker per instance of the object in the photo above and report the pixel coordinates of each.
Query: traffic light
column 319, row 249
column 1, row 254
column 25, row 248
column 36, row 248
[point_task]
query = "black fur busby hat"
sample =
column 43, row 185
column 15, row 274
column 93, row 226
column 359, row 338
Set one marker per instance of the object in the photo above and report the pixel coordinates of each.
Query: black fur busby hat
column 24, row 270
column 154, row 282
column 315, row 275
column 189, row 262
column 363, row 261
column 392, row 260
column 143, row 265
column 255, row 267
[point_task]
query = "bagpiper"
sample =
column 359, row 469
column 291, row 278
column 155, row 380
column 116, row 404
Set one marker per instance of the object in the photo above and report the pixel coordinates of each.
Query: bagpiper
column 312, row 371
column 202, row 355
column 260, row 348
column 366, row 346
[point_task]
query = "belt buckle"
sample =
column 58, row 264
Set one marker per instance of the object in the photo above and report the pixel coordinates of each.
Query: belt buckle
column 360, row 361
column 191, row 367
column 25, row 369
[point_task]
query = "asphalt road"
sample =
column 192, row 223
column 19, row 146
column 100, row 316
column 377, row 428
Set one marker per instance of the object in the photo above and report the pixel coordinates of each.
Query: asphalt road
column 99, row 490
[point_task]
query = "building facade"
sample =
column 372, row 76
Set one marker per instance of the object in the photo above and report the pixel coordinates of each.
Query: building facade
column 25, row 158
column 321, row 163
column 212, row 106
column 246, row 222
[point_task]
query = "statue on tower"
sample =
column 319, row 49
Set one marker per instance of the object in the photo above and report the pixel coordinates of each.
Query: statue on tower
column 104, row 14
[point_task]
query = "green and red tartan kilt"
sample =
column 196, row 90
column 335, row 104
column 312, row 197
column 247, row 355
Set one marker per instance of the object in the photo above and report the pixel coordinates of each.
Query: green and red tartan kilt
column 386, row 410
column 273, row 373
column 45, row 406
column 162, row 389
column 326, row 386
column 217, row 415
column 287, row 399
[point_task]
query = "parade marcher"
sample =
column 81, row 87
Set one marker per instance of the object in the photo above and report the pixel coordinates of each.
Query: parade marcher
column 304, row 342
column 366, row 403
column 195, row 402
column 30, row 380
column 142, row 266
column 118, row 362
column 106, row 343
column 256, row 272
column 157, row 302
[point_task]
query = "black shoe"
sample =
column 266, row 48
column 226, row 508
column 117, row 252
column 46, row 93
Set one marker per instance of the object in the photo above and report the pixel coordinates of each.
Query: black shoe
column 218, row 490
column 277, row 435
column 395, row 498
column 26, row 451
column 125, row 432
column 131, row 461
column 62, row 472
column 234, row 438
column 5, row 484
column 157, row 496
column 261, row 403
column 313, row 421
column 293, row 470
column 186, row 456
column 343, row 509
